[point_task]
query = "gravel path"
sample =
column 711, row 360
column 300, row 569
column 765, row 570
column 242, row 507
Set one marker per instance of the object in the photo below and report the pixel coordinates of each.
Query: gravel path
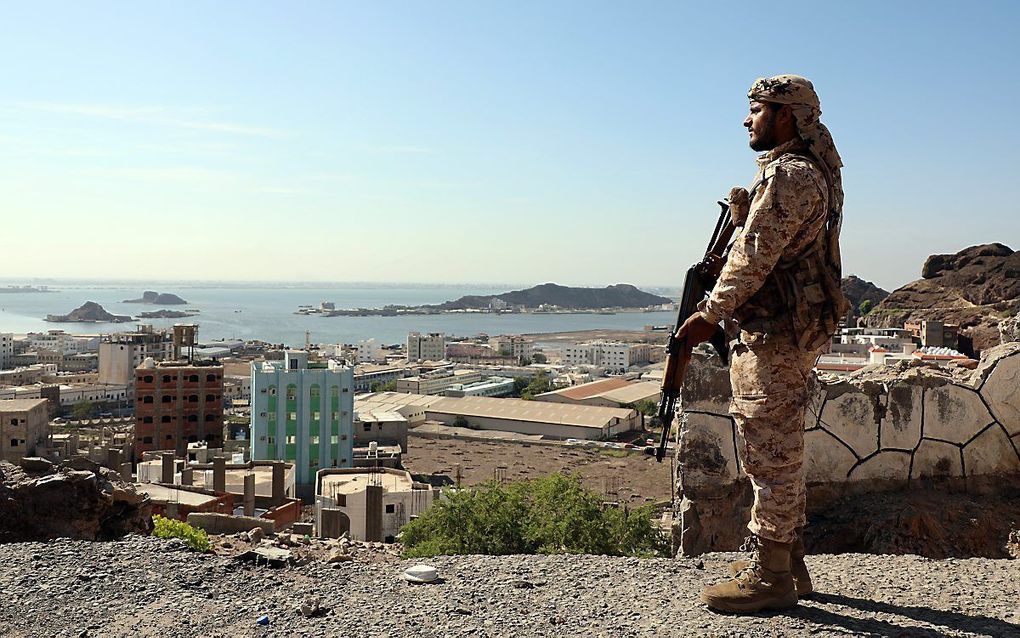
column 148, row 587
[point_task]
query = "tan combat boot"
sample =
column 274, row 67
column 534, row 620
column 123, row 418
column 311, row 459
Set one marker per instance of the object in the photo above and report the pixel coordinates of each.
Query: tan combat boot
column 801, row 577
column 766, row 583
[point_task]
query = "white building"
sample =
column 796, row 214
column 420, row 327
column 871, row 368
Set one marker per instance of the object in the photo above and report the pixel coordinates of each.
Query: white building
column 613, row 356
column 61, row 342
column 427, row 347
column 6, row 350
column 370, row 351
column 491, row 387
column 376, row 502
column 437, row 382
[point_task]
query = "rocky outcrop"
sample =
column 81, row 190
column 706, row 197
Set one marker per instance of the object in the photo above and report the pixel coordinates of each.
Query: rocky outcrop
column 883, row 428
column 89, row 312
column 974, row 289
column 857, row 290
column 1009, row 329
column 77, row 499
column 157, row 298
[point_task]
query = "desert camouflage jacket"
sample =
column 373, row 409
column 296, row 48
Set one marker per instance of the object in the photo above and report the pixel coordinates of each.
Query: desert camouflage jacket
column 788, row 211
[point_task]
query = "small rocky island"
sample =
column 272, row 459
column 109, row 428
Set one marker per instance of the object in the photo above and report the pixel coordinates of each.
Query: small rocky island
column 545, row 298
column 89, row 312
column 158, row 299
column 167, row 314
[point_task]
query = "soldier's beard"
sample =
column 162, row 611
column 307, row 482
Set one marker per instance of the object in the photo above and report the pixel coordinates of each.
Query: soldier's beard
column 766, row 140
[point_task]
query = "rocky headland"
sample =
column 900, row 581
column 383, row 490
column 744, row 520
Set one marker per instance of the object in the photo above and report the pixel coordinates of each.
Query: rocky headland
column 542, row 298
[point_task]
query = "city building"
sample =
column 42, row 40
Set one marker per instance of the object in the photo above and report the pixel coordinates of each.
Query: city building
column 120, row 353
column 515, row 346
column 6, row 350
column 24, row 426
column 613, row 356
column 370, row 504
column 491, row 387
column 934, row 334
column 426, row 347
column 551, row 420
column 382, row 427
column 367, row 375
column 611, row 393
column 62, row 342
column 177, row 403
column 438, row 381
column 302, row 413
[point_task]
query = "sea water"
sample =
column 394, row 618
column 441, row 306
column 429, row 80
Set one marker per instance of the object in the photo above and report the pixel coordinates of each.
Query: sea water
column 266, row 311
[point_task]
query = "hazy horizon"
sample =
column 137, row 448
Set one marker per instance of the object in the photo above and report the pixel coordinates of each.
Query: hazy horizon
column 571, row 142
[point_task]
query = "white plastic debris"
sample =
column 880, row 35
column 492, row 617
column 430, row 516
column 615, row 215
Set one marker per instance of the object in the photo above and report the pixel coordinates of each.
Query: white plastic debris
column 421, row 574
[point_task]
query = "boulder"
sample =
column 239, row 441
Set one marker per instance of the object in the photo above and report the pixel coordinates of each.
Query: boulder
column 69, row 503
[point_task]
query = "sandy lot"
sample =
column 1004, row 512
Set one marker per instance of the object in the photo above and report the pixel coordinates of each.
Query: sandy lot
column 634, row 478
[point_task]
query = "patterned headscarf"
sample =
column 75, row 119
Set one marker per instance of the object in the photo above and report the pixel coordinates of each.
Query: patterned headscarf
column 800, row 94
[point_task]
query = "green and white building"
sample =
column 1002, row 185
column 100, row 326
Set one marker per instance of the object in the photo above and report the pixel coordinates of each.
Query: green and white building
column 303, row 413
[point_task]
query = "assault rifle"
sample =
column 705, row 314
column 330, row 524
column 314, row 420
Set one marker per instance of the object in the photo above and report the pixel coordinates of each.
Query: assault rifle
column 700, row 280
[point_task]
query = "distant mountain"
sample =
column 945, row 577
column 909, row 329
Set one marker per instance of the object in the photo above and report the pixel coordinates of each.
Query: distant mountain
column 974, row 289
column 857, row 290
column 616, row 296
column 89, row 312
column 156, row 298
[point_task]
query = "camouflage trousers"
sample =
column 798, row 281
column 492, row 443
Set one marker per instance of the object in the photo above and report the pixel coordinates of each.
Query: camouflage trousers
column 769, row 382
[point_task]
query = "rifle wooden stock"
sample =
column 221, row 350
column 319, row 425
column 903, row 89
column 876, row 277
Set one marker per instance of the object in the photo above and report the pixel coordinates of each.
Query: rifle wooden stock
column 698, row 282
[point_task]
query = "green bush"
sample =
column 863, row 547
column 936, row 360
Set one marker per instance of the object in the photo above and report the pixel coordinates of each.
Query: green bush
column 550, row 515
column 196, row 538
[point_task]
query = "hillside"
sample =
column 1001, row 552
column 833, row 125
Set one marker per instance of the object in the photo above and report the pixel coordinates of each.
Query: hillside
column 616, row 296
column 974, row 288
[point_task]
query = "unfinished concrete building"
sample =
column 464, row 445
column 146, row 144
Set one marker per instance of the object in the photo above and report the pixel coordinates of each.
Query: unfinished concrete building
column 177, row 403
column 371, row 505
column 24, row 427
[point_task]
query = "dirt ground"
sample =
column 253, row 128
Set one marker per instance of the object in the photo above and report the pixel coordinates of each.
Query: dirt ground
column 633, row 478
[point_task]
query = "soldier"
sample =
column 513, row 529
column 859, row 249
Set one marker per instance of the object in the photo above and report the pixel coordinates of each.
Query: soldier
column 780, row 285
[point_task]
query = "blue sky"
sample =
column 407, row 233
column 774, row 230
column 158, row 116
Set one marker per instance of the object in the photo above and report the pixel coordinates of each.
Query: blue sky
column 576, row 142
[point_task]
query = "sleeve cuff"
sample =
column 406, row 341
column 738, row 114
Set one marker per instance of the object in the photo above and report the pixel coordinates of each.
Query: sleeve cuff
column 710, row 314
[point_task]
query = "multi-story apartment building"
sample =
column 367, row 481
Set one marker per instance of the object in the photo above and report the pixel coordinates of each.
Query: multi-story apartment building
column 303, row 413
column 177, row 403
column 614, row 357
column 426, row 347
column 120, row 353
column 514, row 345
column 6, row 350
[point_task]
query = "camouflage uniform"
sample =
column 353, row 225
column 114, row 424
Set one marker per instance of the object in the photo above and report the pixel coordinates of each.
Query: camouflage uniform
column 770, row 365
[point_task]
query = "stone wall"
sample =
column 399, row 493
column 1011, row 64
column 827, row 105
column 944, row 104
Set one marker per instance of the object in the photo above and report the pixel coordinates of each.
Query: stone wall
column 883, row 428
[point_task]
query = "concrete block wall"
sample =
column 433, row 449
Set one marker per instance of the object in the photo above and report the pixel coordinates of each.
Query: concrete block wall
column 886, row 427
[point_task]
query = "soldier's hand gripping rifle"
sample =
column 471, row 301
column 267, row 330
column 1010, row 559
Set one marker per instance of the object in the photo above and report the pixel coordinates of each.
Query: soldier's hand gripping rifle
column 700, row 280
